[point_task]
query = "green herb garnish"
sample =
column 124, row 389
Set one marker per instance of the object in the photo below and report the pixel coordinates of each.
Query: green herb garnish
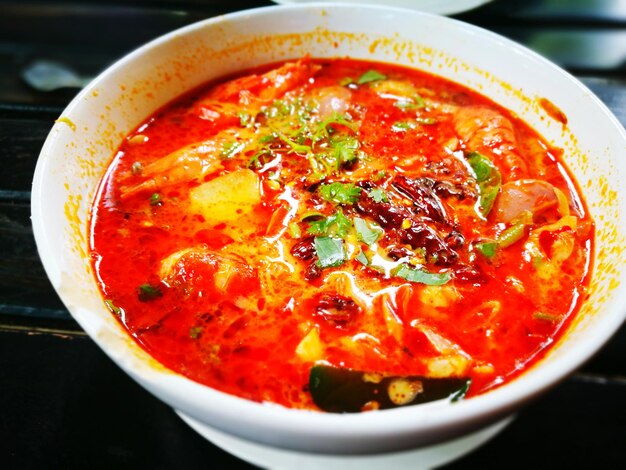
column 546, row 317
column 365, row 233
column 402, row 126
column 487, row 249
column 370, row 76
column 113, row 308
column 362, row 258
column 511, row 235
column 155, row 199
column 231, row 149
column 489, row 181
column 195, row 332
column 340, row 193
column 378, row 195
column 337, row 224
column 421, row 276
column 410, row 103
column 147, row 292
column 330, row 252
column 426, row 121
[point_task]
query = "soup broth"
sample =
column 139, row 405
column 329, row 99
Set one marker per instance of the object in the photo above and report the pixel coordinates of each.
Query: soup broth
column 340, row 235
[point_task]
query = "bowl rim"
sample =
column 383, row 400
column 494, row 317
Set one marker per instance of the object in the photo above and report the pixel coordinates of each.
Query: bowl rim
column 169, row 386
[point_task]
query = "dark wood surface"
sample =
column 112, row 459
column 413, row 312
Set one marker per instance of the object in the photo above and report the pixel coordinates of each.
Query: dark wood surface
column 64, row 404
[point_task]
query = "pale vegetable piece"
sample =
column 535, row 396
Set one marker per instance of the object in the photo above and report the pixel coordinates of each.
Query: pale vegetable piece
column 310, row 348
column 483, row 368
column 389, row 310
column 438, row 296
column 549, row 265
column 452, row 362
column 225, row 273
column 227, row 197
column 440, row 343
column 396, row 89
column 454, row 365
column 168, row 264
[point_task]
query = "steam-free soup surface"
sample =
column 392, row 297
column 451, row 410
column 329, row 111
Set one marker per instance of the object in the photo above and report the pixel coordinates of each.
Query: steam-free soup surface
column 274, row 234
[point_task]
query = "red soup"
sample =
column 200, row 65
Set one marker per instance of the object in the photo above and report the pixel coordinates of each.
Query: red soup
column 341, row 235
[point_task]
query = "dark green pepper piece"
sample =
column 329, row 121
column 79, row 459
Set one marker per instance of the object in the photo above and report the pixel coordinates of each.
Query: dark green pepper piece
column 339, row 390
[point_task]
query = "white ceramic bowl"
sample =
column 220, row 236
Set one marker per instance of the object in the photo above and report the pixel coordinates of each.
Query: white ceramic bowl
column 83, row 141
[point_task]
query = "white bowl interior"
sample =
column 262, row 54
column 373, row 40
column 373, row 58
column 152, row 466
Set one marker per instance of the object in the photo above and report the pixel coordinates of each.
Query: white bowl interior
column 83, row 142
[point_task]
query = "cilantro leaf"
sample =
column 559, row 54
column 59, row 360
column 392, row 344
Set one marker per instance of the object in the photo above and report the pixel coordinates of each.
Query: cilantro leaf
column 337, row 224
column 344, row 150
column 330, row 252
column 325, row 127
column 489, row 181
column 365, row 233
column 378, row 195
column 362, row 258
column 340, row 193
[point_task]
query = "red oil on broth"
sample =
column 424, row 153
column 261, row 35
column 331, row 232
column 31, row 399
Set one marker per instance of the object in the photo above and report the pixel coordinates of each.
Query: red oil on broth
column 340, row 235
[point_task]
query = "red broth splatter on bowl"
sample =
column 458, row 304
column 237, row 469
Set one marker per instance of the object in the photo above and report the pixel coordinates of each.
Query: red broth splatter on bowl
column 341, row 235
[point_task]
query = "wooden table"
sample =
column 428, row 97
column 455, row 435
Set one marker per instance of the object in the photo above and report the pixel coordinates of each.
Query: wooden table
column 64, row 404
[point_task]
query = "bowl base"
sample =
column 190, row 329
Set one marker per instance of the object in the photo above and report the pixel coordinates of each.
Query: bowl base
column 281, row 459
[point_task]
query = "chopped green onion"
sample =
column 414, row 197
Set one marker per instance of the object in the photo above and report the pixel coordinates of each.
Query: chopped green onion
column 545, row 317
column 406, row 103
column 294, row 230
column 345, row 81
column 511, row 235
column 426, row 121
column 155, row 199
column 312, row 215
column 231, row 149
column 401, row 126
column 370, row 76
column 487, row 249
column 421, row 276
column 113, row 308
